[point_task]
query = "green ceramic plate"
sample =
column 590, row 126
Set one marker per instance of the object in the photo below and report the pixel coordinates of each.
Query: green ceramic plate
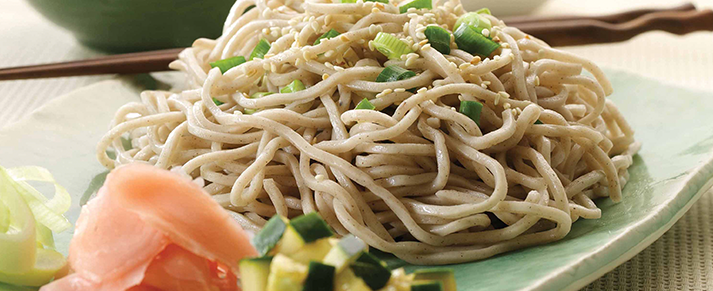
column 673, row 169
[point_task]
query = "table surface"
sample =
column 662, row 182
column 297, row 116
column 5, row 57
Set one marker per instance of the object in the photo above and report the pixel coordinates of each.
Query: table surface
column 682, row 259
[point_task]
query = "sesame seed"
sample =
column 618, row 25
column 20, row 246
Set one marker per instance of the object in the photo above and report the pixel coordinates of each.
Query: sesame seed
column 506, row 105
column 344, row 38
column 422, row 90
column 375, row 10
column 475, row 60
column 325, row 76
column 423, row 42
column 400, row 90
column 426, row 47
column 486, row 32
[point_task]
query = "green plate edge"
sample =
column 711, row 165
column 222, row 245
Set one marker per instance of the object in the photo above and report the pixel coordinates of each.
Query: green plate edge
column 670, row 173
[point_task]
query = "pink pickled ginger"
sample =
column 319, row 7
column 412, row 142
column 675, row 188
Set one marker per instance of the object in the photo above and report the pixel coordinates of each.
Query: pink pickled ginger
column 150, row 229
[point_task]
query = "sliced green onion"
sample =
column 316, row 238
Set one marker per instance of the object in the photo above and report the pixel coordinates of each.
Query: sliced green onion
column 471, row 109
column 418, row 4
column 439, row 38
column 46, row 211
column 27, row 219
column 248, row 9
column 261, row 94
column 295, row 86
column 475, row 43
column 262, row 47
column 474, row 19
column 250, row 111
column 327, row 35
column 394, row 73
column 392, row 47
column 538, row 122
column 365, row 104
column 226, row 64
column 483, row 11
column 217, row 102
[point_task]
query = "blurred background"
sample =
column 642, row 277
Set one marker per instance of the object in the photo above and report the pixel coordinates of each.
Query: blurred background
column 681, row 260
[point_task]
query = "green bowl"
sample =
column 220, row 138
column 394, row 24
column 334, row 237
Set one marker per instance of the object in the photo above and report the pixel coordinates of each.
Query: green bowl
column 137, row 25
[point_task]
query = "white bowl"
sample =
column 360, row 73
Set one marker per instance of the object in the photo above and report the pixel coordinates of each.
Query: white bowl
column 504, row 7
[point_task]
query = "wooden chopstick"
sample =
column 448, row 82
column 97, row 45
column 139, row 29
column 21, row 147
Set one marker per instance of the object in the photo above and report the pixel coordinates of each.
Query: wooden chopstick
column 133, row 63
column 611, row 18
column 557, row 31
column 580, row 32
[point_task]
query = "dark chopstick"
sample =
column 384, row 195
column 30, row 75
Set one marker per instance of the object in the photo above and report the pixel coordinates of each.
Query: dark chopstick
column 133, row 63
column 580, row 32
column 610, row 18
column 557, row 31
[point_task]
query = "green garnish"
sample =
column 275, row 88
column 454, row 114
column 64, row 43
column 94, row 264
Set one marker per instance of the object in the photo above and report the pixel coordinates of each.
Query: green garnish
column 394, row 73
column 439, row 38
column 217, row 102
column 327, row 35
column 473, row 42
column 227, row 64
column 418, row 4
column 262, row 47
column 295, row 86
column 250, row 111
column 365, row 104
column 392, row 47
column 474, row 19
column 484, row 11
column 471, row 109
column 538, row 122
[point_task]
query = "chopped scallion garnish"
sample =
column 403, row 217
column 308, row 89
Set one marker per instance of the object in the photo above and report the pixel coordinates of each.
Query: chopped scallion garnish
column 217, row 102
column 226, row 64
column 394, row 73
column 474, row 19
column 483, row 11
column 365, row 104
column 390, row 46
column 262, row 47
column 471, row 109
column 261, row 94
column 473, row 42
column 295, row 86
column 439, row 38
column 327, row 35
column 418, row 4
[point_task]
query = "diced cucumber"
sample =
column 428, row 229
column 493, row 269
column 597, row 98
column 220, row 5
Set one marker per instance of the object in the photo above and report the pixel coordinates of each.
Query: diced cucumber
column 290, row 243
column 254, row 273
column 302, row 230
column 345, row 252
column 347, row 281
column 311, row 227
column 443, row 275
column 286, row 274
column 372, row 270
column 319, row 278
column 270, row 235
column 314, row 251
column 427, row 286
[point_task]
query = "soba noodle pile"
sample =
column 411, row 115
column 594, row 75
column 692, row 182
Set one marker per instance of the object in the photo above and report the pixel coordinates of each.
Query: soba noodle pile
column 414, row 177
